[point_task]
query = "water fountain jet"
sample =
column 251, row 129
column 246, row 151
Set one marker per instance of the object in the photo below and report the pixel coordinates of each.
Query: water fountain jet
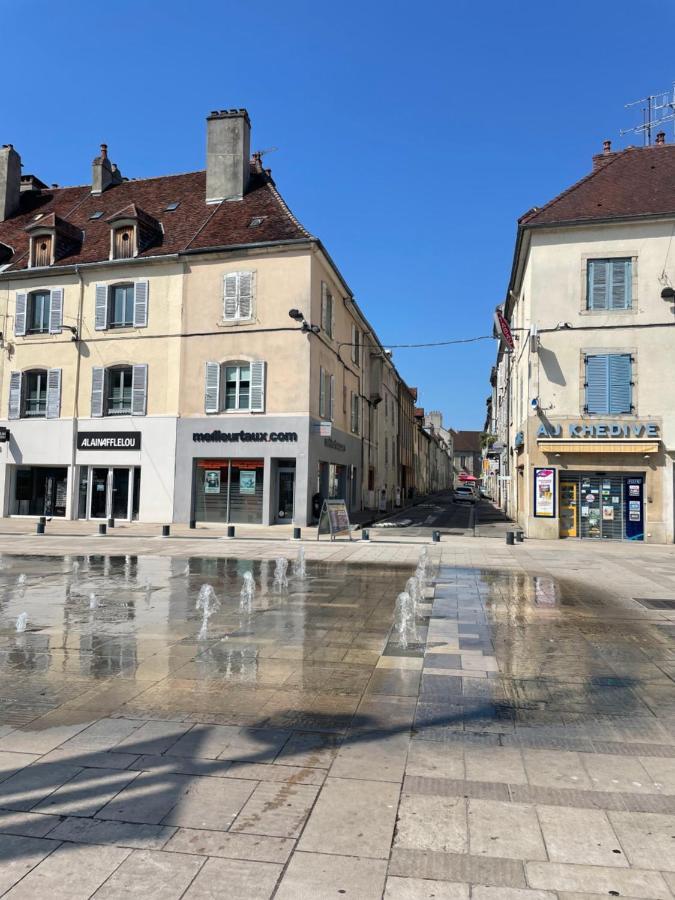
column 280, row 579
column 22, row 622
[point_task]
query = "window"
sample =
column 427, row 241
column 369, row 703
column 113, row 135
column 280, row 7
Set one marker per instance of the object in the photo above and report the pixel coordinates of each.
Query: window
column 121, row 311
column 355, row 413
column 326, row 310
column 356, row 345
column 123, row 242
column 42, row 250
column 121, row 305
column 35, row 393
column 237, row 386
column 238, row 291
column 326, row 394
column 609, row 385
column 609, row 284
column 386, row 451
column 38, row 312
column 118, row 395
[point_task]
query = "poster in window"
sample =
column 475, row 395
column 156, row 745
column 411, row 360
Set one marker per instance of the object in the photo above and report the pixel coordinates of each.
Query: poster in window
column 608, row 513
column 212, row 481
column 544, row 492
column 247, row 481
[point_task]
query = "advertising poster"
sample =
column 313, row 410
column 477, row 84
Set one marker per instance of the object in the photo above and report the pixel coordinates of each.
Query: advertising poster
column 247, row 481
column 608, row 513
column 544, row 492
column 212, row 481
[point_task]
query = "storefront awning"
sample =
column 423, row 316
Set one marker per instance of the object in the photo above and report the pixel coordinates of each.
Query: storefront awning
column 599, row 446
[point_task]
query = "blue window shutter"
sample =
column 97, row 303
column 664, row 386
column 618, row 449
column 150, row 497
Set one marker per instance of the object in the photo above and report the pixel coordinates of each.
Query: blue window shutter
column 620, row 271
column 598, row 283
column 620, row 393
column 597, row 384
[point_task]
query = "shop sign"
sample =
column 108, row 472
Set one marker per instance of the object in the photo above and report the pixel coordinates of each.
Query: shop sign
column 4, row 435
column 108, row 440
column 245, row 437
column 334, row 445
column 544, row 493
column 601, row 430
column 502, row 327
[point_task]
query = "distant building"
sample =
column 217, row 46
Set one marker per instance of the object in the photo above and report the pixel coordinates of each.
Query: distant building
column 467, row 453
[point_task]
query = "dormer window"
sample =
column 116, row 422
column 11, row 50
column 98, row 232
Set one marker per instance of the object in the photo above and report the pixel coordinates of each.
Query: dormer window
column 42, row 250
column 123, row 242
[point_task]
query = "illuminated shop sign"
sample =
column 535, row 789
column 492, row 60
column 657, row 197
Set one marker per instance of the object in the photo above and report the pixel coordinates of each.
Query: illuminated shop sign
column 245, row 437
column 601, row 430
column 108, row 440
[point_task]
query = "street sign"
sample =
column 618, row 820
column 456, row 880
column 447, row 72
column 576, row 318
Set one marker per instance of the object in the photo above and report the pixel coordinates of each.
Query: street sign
column 334, row 519
column 502, row 327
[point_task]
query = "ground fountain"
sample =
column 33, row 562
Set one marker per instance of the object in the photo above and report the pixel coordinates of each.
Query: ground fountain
column 405, row 619
column 247, row 592
column 21, row 580
column 75, row 570
column 300, row 567
column 280, row 568
column 22, row 622
column 414, row 588
column 93, row 601
column 208, row 603
column 186, row 570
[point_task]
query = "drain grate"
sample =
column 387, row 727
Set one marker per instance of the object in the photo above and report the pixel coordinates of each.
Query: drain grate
column 652, row 603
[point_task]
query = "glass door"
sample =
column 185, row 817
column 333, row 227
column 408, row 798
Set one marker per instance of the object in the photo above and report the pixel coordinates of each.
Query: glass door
column 98, row 495
column 119, row 500
column 286, row 495
column 568, row 509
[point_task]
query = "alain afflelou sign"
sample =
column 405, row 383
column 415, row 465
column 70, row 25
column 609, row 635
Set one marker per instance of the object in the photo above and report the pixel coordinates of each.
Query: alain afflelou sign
column 108, row 440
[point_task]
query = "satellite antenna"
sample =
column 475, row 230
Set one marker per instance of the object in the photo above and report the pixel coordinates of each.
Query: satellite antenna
column 657, row 109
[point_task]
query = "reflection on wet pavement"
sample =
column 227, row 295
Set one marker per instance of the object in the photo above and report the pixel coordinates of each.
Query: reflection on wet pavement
column 516, row 730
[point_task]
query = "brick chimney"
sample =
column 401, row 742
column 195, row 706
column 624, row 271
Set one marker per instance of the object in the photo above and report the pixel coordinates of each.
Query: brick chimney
column 104, row 174
column 10, row 181
column 600, row 159
column 228, row 148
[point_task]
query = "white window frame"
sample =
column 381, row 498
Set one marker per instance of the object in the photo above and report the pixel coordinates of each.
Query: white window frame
column 238, row 365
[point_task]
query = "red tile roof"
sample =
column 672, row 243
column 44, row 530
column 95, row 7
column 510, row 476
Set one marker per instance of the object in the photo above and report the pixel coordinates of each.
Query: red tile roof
column 194, row 225
column 466, row 441
column 636, row 182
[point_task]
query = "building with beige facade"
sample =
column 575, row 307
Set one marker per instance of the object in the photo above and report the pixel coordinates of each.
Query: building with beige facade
column 580, row 407
column 181, row 348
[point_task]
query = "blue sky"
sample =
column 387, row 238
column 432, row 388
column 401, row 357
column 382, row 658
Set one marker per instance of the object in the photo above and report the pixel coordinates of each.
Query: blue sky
column 410, row 136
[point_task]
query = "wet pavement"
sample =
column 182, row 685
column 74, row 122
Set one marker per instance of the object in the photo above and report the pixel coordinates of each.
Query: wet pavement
column 516, row 745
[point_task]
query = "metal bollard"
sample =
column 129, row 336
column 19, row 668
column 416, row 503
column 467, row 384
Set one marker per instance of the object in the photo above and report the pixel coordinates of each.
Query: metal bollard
column 296, row 534
column 101, row 528
column 230, row 530
column 520, row 536
column 111, row 522
column 42, row 520
column 40, row 528
column 436, row 537
column 166, row 530
column 509, row 537
column 365, row 535
column 193, row 523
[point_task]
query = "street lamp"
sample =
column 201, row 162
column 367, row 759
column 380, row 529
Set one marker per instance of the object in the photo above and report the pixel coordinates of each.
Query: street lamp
column 298, row 316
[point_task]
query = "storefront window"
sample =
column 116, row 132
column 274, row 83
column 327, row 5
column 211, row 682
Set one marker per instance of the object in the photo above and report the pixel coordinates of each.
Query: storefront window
column 229, row 490
column 40, row 491
column 36, row 394
column 237, row 387
column 119, row 391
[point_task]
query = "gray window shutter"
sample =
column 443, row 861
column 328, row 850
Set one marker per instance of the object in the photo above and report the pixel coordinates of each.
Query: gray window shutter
column 230, row 307
column 258, row 386
column 597, row 384
column 620, row 295
column 212, row 388
column 97, row 390
column 53, row 393
column 56, row 311
column 598, row 283
column 139, row 390
column 324, row 307
column 14, row 411
column 331, row 402
column 322, row 393
column 620, row 388
column 246, row 287
column 140, row 304
column 20, row 315
column 101, row 312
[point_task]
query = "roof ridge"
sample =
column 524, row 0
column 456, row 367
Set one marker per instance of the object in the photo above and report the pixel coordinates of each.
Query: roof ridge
column 285, row 207
column 527, row 217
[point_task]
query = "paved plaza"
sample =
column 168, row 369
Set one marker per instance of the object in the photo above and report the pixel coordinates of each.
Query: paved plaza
column 514, row 743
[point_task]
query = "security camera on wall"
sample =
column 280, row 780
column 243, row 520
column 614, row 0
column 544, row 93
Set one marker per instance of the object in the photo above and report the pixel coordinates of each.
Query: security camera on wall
column 534, row 404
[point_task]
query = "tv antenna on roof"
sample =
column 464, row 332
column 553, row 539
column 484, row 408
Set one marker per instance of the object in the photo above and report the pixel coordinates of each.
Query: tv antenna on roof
column 260, row 153
column 657, row 109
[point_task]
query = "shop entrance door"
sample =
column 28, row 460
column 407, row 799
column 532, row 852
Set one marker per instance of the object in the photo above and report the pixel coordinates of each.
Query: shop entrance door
column 109, row 492
column 568, row 509
column 286, row 495
column 98, row 493
column 119, row 499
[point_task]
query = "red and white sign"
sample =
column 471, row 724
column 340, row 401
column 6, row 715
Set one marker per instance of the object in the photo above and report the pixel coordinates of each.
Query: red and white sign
column 503, row 328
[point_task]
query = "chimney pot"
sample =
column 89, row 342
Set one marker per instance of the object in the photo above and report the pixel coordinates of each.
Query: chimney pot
column 228, row 152
column 104, row 151
column 606, row 147
column 661, row 137
column 10, row 182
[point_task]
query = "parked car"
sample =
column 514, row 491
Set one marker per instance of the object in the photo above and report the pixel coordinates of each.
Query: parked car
column 464, row 494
